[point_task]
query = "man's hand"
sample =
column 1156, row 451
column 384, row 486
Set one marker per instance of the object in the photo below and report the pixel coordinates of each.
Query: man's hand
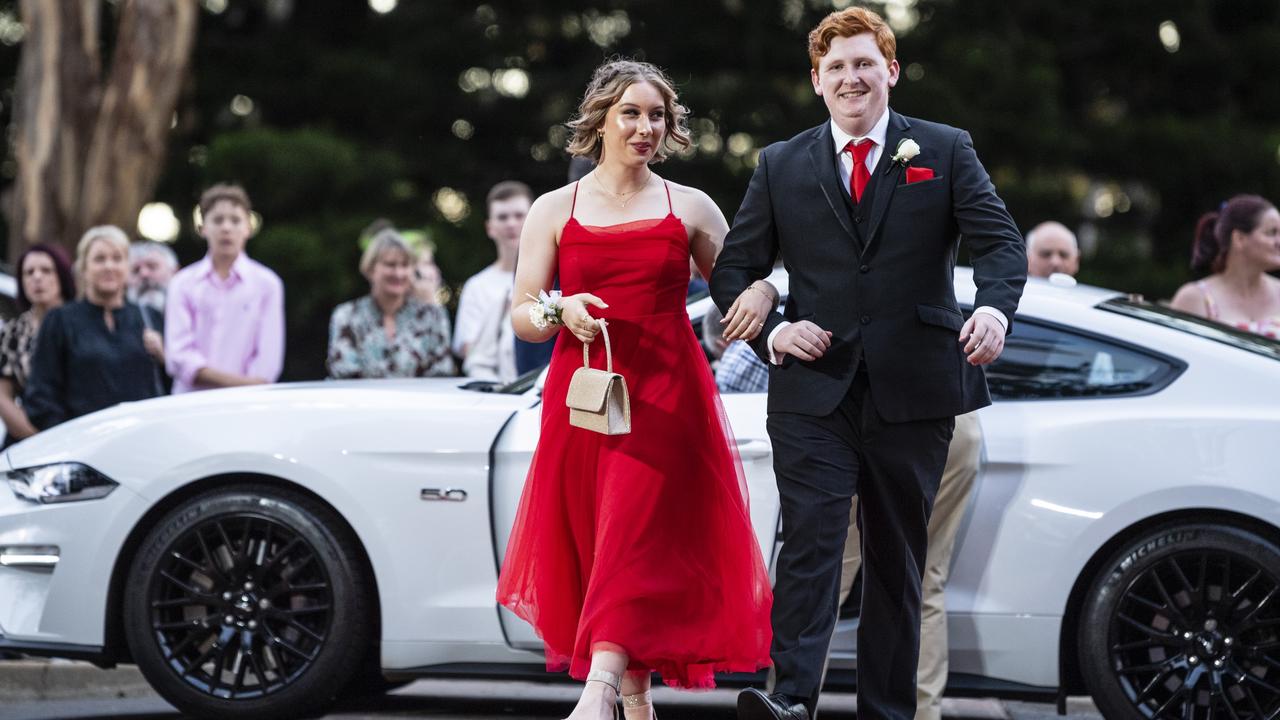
column 803, row 340
column 983, row 337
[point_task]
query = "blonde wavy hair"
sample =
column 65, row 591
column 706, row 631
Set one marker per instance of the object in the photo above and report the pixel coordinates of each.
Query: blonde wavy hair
column 604, row 91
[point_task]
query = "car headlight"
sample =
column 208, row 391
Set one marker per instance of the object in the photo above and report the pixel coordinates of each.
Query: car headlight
column 60, row 482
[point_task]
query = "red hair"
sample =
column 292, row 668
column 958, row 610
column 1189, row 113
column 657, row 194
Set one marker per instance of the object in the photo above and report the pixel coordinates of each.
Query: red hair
column 847, row 23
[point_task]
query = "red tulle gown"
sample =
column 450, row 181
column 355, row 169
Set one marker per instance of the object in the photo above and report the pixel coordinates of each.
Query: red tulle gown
column 642, row 540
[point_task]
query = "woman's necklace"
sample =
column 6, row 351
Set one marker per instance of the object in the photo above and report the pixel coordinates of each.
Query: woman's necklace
column 624, row 198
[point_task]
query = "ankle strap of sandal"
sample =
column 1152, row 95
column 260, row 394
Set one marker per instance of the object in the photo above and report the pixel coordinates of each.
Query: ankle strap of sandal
column 606, row 677
column 637, row 700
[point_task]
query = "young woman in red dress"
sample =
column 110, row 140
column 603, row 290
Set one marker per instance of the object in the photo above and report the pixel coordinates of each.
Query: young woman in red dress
column 633, row 554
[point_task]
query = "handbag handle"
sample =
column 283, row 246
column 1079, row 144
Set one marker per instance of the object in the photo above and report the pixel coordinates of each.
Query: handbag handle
column 608, row 349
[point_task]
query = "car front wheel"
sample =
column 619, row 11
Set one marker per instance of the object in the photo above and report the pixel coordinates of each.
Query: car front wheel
column 246, row 602
column 1184, row 623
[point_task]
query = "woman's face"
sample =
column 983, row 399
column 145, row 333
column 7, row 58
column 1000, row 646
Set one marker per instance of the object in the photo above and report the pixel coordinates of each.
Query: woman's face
column 106, row 269
column 392, row 274
column 1262, row 246
column 426, row 281
column 40, row 281
column 635, row 125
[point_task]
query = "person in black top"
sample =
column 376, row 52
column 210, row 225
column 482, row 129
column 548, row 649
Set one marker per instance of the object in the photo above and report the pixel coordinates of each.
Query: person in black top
column 100, row 350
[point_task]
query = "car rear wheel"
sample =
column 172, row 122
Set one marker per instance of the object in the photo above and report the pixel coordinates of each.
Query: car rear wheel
column 1184, row 623
column 246, row 602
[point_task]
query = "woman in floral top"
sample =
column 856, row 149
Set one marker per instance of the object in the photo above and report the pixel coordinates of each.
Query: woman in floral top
column 45, row 281
column 389, row 333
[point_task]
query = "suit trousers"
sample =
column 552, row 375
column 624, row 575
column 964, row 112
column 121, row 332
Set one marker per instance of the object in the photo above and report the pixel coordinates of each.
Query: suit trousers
column 894, row 469
column 963, row 459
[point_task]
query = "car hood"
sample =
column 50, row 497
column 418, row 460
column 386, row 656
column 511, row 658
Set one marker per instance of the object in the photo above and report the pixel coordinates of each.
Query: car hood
column 292, row 403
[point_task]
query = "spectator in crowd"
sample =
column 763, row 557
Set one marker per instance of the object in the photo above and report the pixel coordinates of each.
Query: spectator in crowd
column 427, row 278
column 151, row 267
column 45, row 282
column 1236, row 247
column 389, row 332
column 483, row 336
column 741, row 371
column 225, row 314
column 97, row 351
column 1052, row 248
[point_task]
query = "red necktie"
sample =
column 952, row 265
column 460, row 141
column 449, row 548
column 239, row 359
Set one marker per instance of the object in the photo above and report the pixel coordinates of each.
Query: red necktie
column 861, row 175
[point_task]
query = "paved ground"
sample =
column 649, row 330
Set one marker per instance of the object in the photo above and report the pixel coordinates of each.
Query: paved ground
column 476, row 700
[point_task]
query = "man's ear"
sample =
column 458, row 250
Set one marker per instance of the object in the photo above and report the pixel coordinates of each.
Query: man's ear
column 894, row 71
column 813, row 78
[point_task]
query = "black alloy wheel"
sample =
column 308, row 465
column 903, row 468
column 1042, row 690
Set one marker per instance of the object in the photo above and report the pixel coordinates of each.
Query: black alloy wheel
column 247, row 601
column 1184, row 624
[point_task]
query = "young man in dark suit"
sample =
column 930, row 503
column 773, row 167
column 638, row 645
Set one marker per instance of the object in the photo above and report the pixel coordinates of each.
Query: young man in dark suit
column 872, row 360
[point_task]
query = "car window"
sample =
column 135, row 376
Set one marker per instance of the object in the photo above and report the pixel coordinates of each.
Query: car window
column 1042, row 361
column 1136, row 307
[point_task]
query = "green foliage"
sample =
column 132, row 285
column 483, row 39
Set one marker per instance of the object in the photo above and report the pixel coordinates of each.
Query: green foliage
column 1079, row 110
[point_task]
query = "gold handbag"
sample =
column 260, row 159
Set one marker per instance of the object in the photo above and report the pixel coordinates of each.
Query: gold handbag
column 598, row 399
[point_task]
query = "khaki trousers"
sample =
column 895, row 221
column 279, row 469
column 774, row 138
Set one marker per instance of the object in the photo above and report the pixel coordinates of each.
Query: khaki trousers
column 963, row 457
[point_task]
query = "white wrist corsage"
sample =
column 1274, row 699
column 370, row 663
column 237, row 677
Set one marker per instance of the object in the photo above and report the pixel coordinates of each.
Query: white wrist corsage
column 545, row 310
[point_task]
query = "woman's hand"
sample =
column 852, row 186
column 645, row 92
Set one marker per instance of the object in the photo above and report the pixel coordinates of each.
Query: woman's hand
column 154, row 344
column 574, row 315
column 745, row 318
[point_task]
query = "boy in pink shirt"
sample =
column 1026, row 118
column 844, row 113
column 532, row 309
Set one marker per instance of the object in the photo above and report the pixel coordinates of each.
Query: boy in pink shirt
column 224, row 318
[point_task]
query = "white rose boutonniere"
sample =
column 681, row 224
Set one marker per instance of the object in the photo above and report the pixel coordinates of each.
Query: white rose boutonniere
column 545, row 310
column 907, row 149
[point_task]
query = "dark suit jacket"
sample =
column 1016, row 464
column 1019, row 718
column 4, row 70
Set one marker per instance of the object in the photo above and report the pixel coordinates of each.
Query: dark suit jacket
column 877, row 274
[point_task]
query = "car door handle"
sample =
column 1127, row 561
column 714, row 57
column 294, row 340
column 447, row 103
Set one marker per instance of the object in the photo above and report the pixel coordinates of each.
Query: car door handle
column 750, row 449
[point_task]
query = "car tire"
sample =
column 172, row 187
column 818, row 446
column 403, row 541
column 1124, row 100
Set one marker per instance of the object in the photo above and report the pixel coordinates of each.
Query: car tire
column 1184, row 622
column 245, row 602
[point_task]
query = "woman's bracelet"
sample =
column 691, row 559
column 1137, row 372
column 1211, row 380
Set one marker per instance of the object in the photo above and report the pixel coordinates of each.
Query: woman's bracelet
column 772, row 299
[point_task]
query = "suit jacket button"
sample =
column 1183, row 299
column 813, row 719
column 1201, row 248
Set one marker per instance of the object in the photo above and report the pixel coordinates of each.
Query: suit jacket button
column 857, row 219
column 865, row 268
column 866, row 320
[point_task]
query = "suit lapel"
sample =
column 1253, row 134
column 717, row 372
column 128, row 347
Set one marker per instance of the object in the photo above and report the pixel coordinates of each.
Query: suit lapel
column 886, row 176
column 822, row 154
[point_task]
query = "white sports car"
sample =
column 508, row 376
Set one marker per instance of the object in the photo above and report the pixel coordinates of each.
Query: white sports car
column 259, row 551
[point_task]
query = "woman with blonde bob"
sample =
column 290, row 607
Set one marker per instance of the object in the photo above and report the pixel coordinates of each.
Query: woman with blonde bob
column 389, row 332
column 99, row 350
column 631, row 553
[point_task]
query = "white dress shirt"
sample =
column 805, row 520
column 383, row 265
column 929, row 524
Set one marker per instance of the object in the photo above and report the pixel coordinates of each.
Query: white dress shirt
column 841, row 139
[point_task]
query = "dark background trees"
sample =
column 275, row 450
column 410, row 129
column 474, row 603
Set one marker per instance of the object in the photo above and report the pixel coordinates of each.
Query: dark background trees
column 1123, row 120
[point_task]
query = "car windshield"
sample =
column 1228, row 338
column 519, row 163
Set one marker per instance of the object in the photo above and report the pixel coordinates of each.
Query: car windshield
column 1136, row 307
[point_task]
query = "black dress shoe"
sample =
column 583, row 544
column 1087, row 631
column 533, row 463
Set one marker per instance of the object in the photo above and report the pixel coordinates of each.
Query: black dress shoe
column 755, row 705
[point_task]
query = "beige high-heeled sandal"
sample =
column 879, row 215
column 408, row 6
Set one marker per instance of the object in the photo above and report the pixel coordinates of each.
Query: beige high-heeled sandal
column 639, row 700
column 613, row 680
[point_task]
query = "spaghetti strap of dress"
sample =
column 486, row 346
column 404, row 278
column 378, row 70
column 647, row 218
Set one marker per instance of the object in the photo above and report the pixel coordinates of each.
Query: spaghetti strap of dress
column 670, row 210
column 573, row 205
column 1210, row 307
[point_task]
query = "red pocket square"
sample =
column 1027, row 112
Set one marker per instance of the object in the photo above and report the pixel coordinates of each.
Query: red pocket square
column 916, row 174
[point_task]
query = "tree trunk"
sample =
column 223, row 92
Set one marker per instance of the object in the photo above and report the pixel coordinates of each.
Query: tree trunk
column 131, row 135
column 89, row 152
column 55, row 103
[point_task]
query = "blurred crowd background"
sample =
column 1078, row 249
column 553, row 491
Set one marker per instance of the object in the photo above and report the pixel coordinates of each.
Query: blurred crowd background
column 1124, row 121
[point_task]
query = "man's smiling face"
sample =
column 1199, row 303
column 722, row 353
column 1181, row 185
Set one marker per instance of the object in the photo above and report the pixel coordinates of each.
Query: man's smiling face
column 853, row 79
